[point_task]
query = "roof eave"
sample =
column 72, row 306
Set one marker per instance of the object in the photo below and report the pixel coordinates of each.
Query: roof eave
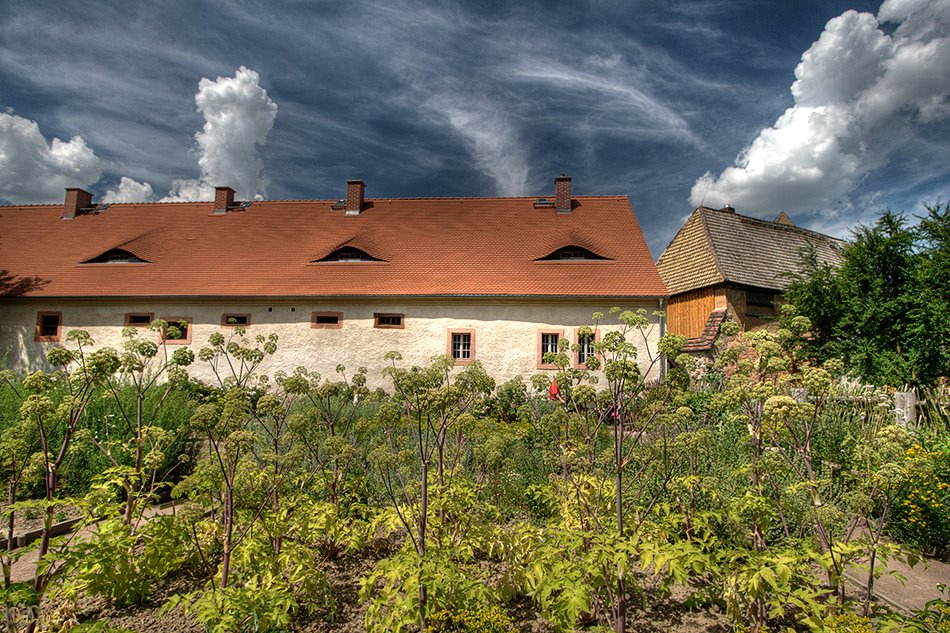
column 334, row 296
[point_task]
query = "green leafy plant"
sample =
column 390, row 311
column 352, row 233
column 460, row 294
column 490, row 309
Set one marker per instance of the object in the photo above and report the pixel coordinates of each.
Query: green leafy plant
column 147, row 375
column 123, row 564
column 424, row 428
column 392, row 589
column 238, row 609
column 54, row 406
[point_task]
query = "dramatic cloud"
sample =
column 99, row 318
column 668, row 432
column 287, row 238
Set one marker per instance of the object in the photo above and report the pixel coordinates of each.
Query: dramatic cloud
column 860, row 94
column 490, row 138
column 129, row 191
column 482, row 98
column 34, row 171
column 238, row 117
column 612, row 91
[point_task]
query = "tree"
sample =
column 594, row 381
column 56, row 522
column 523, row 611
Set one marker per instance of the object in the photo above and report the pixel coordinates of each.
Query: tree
column 886, row 310
column 423, row 427
column 223, row 422
column 55, row 405
column 929, row 328
column 145, row 368
column 611, row 443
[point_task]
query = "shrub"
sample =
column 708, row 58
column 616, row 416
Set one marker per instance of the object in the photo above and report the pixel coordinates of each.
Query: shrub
column 922, row 510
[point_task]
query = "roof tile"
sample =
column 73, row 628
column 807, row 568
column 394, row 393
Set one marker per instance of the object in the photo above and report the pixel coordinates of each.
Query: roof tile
column 431, row 247
column 714, row 246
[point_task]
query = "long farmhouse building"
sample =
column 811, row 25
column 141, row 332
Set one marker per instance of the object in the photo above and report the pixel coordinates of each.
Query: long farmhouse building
column 498, row 280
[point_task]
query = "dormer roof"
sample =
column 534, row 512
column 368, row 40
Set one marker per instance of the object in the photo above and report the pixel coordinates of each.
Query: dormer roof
column 116, row 256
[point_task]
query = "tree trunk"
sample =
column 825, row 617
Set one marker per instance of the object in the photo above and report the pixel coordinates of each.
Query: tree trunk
column 422, row 543
column 228, row 532
column 130, row 501
column 619, row 602
column 7, row 564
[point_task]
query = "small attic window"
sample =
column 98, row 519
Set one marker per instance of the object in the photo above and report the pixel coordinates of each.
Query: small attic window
column 575, row 253
column 349, row 254
column 116, row 256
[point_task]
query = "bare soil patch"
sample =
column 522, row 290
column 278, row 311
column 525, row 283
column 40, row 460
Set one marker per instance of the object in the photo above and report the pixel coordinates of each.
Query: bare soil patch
column 27, row 520
column 667, row 616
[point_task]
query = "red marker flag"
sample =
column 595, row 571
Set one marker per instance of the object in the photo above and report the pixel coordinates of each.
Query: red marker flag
column 553, row 393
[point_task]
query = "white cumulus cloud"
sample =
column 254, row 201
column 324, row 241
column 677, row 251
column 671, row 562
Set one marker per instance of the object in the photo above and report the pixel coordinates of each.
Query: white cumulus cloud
column 34, row 171
column 129, row 190
column 238, row 117
column 860, row 93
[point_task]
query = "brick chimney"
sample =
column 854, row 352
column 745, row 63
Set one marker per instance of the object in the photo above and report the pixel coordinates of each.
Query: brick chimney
column 562, row 194
column 728, row 208
column 76, row 201
column 223, row 200
column 354, row 196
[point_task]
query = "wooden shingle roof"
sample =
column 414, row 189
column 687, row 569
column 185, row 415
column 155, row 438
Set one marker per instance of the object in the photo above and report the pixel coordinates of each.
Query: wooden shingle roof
column 426, row 247
column 717, row 246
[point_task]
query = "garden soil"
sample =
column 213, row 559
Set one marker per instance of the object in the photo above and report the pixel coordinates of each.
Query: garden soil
column 666, row 616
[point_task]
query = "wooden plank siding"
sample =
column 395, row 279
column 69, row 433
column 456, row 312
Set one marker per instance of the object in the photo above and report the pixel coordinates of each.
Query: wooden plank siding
column 687, row 313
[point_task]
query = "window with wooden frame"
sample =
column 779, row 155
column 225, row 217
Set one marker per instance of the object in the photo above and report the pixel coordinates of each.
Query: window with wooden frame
column 138, row 319
column 548, row 341
column 326, row 320
column 389, row 320
column 760, row 299
column 178, row 331
column 49, row 327
column 585, row 347
column 461, row 346
column 235, row 320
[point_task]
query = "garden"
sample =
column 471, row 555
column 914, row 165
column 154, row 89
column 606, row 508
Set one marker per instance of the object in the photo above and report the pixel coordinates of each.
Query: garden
column 762, row 490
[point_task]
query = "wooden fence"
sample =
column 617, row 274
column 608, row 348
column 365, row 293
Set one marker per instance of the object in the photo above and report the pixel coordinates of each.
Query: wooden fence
column 909, row 409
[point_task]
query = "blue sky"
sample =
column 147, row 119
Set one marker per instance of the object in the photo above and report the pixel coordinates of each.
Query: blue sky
column 830, row 111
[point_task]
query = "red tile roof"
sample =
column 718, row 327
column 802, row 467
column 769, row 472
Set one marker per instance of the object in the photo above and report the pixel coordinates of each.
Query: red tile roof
column 430, row 247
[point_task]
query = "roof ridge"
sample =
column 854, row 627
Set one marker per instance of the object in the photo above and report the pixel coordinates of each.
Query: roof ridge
column 329, row 200
column 794, row 228
column 788, row 228
column 532, row 197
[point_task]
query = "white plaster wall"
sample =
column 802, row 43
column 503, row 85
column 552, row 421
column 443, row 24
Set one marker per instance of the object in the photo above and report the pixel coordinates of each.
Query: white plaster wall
column 506, row 331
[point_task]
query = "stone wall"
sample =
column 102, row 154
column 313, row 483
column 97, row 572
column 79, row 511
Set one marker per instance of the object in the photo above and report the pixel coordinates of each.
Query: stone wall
column 506, row 332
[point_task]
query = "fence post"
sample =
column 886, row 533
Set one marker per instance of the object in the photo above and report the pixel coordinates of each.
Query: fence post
column 905, row 407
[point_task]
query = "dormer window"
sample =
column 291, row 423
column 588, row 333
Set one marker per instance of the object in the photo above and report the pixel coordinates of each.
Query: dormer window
column 116, row 256
column 572, row 253
column 349, row 254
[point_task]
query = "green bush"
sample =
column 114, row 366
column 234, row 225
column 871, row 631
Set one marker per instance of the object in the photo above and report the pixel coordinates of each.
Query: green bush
column 122, row 565
column 922, row 508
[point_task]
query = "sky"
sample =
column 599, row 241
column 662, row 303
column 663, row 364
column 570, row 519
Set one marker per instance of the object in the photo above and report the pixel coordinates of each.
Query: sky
column 830, row 111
